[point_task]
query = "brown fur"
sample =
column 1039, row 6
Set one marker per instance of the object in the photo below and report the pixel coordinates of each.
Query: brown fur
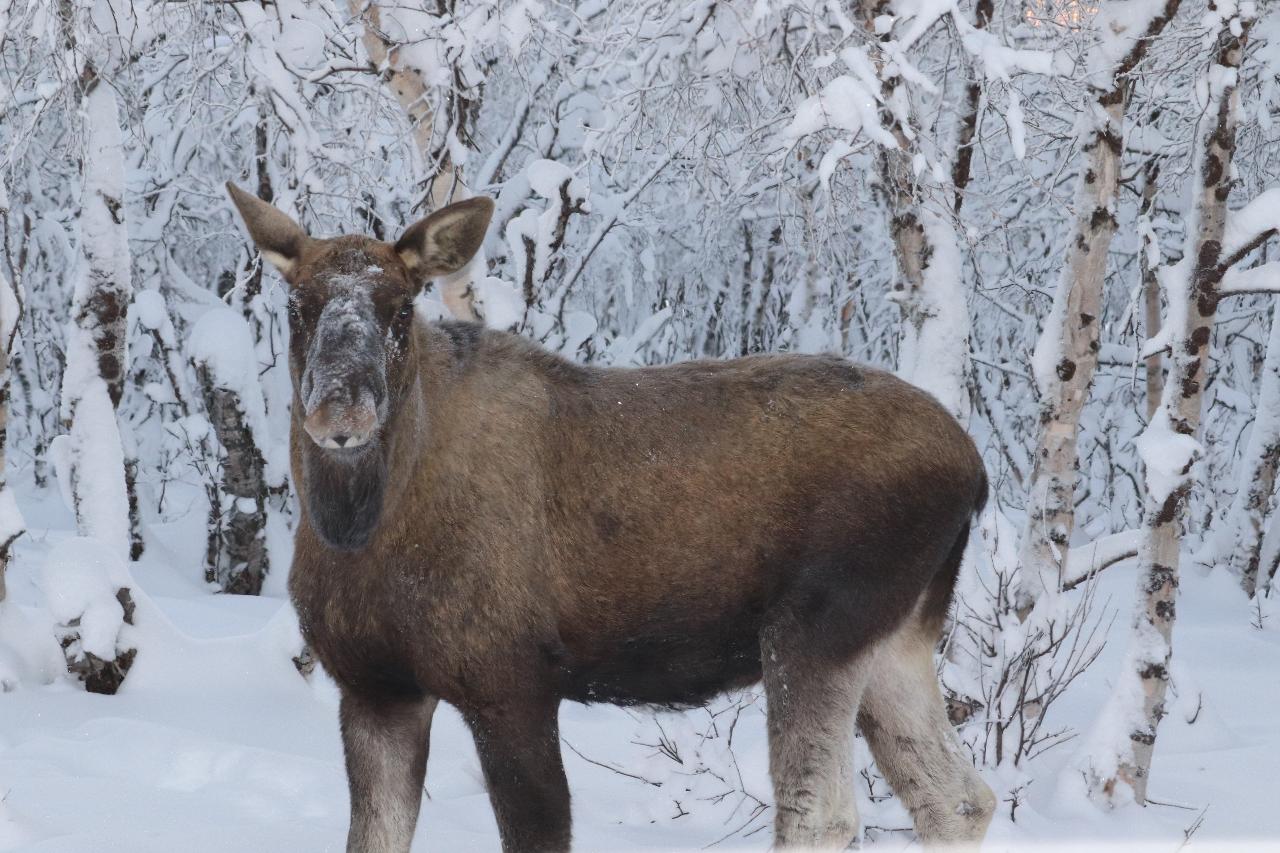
column 636, row 526
column 525, row 530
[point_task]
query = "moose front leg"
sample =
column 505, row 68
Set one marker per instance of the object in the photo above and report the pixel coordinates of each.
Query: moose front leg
column 519, row 747
column 386, row 741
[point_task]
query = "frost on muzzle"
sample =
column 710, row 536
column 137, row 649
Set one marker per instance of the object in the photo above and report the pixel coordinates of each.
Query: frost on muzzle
column 344, row 383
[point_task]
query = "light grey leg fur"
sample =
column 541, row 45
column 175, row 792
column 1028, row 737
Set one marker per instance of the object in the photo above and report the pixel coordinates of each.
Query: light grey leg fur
column 386, row 746
column 811, row 724
column 903, row 718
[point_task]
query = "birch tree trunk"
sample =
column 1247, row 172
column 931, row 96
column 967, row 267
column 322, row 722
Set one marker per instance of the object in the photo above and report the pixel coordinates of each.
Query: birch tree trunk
column 1148, row 262
column 96, row 360
column 1168, row 446
column 458, row 289
column 962, row 168
column 236, row 554
column 933, row 342
column 240, row 562
column 249, row 293
column 100, row 304
column 1240, row 545
column 1067, row 351
column 96, row 349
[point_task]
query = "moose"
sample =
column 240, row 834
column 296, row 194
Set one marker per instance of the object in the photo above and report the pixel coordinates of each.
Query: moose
column 489, row 524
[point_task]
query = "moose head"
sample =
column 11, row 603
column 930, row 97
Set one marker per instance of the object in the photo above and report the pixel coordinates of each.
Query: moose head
column 352, row 352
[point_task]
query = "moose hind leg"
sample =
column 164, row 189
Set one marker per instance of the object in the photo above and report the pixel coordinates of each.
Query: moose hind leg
column 903, row 718
column 811, row 708
column 386, row 747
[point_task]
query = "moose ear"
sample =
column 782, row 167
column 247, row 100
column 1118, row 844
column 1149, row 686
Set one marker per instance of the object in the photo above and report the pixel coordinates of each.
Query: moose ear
column 277, row 236
column 444, row 241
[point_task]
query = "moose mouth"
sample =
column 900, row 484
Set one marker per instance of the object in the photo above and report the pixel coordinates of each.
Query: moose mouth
column 347, row 447
column 344, row 446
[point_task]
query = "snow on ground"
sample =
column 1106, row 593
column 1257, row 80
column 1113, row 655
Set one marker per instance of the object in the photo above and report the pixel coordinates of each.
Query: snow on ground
column 216, row 744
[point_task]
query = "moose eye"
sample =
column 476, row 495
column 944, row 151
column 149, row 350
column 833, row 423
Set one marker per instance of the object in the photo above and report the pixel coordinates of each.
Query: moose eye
column 406, row 311
column 295, row 313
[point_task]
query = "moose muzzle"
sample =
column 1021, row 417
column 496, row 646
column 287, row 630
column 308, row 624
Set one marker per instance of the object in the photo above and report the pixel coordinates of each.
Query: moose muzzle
column 344, row 384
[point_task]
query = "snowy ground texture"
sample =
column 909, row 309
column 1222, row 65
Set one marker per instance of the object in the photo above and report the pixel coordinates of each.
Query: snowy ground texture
column 216, row 744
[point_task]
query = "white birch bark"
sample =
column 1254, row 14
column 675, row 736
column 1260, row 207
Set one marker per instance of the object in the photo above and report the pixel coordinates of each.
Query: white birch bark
column 933, row 340
column 1067, row 352
column 456, row 290
column 933, row 347
column 1168, row 446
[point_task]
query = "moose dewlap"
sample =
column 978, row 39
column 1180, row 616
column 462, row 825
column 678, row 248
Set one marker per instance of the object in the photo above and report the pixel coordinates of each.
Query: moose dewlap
column 488, row 524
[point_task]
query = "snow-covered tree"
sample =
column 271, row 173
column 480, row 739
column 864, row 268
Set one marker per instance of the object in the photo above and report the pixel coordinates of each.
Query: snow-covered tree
column 1066, row 353
column 1238, row 543
column 93, row 384
column 92, row 459
column 437, row 84
column 1170, row 446
column 221, row 349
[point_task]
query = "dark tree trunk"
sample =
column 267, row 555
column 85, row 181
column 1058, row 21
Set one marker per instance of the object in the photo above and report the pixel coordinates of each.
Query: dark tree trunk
column 237, row 560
